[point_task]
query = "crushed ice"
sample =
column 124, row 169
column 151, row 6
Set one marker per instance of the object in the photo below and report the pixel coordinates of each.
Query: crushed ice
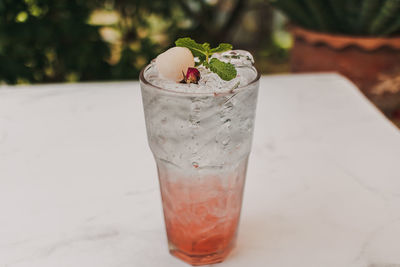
column 209, row 81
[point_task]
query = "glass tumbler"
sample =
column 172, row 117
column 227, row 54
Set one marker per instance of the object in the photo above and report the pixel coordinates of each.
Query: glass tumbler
column 201, row 144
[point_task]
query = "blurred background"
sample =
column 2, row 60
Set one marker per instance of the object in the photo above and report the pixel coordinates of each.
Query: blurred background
column 47, row 41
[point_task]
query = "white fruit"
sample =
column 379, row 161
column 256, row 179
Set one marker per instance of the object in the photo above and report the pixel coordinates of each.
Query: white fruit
column 174, row 62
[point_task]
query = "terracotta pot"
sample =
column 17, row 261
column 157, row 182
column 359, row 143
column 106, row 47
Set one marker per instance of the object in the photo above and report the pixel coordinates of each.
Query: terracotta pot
column 373, row 64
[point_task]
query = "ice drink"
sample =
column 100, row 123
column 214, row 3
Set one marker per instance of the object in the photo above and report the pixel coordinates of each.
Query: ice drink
column 200, row 136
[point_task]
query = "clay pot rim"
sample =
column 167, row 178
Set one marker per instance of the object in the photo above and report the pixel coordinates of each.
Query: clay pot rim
column 338, row 41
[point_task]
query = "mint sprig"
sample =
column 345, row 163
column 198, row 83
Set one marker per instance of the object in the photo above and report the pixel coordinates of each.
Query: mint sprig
column 224, row 70
column 203, row 52
column 221, row 48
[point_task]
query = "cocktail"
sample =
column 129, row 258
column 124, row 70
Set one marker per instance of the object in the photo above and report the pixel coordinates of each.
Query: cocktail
column 200, row 125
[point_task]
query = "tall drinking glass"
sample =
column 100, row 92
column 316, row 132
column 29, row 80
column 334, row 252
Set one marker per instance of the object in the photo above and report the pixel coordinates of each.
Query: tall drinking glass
column 201, row 144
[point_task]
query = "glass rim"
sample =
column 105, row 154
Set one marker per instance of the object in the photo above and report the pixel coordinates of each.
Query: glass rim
column 143, row 80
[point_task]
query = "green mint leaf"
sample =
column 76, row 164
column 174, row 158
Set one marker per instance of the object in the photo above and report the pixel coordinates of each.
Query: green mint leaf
column 206, row 46
column 203, row 52
column 224, row 70
column 197, row 49
column 221, row 48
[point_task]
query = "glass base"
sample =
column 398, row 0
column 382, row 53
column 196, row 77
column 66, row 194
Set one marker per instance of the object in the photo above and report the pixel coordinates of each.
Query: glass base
column 198, row 260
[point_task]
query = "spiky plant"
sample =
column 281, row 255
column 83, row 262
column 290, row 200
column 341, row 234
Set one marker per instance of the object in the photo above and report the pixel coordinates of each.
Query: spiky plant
column 353, row 17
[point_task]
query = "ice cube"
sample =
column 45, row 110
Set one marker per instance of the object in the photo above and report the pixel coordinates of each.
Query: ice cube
column 239, row 58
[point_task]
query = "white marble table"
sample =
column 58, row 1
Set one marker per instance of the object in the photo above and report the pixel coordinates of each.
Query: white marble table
column 78, row 183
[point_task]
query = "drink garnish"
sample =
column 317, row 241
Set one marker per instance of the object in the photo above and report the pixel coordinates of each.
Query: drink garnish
column 203, row 52
column 173, row 63
column 192, row 76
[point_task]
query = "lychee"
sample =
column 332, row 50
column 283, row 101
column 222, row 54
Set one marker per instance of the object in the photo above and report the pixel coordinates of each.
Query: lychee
column 173, row 63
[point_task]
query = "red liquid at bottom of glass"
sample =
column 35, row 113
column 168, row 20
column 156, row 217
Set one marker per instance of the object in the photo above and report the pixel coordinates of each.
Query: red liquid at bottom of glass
column 202, row 214
column 199, row 248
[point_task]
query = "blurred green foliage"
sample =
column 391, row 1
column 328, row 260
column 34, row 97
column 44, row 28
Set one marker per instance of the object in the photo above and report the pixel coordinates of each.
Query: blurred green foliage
column 355, row 17
column 78, row 40
column 48, row 41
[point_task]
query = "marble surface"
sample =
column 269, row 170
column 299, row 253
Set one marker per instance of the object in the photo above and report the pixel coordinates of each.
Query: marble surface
column 78, row 183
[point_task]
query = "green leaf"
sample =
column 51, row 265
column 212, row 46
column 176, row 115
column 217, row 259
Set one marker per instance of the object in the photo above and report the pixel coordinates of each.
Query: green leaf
column 368, row 11
column 389, row 10
column 296, row 11
column 206, row 46
column 320, row 14
column 221, row 48
column 225, row 71
column 339, row 15
column 392, row 28
column 198, row 50
column 352, row 12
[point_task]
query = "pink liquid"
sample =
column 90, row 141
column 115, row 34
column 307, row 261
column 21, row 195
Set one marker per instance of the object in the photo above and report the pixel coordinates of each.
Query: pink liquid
column 202, row 213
